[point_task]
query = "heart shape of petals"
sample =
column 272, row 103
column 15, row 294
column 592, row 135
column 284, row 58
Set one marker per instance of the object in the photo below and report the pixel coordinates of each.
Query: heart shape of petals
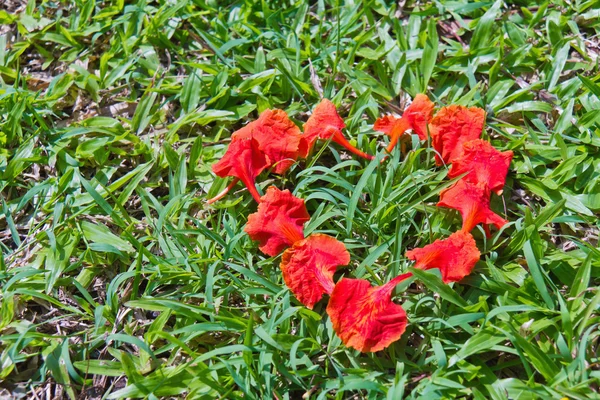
column 473, row 203
column 416, row 117
column 454, row 256
column 325, row 123
column 364, row 316
column 451, row 127
column 279, row 221
column 308, row 267
column 277, row 136
column 483, row 163
column 244, row 161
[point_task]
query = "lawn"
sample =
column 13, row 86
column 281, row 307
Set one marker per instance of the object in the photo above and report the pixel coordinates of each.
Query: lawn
column 118, row 279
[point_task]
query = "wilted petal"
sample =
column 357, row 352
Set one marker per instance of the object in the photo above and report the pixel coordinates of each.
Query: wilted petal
column 451, row 127
column 473, row 203
column 365, row 317
column 308, row 267
column 277, row 136
column 483, row 163
column 419, row 114
column 325, row 123
column 242, row 160
column 278, row 222
column 455, row 256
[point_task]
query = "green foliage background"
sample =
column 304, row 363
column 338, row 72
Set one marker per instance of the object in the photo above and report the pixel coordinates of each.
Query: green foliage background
column 117, row 280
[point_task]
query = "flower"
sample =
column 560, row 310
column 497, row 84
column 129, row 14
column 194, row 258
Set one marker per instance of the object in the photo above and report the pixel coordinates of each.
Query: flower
column 454, row 256
column 364, row 316
column 451, row 127
column 473, row 203
column 325, row 123
column 244, row 161
column 483, row 163
column 278, row 222
column 308, row 267
column 273, row 139
column 277, row 136
column 416, row 117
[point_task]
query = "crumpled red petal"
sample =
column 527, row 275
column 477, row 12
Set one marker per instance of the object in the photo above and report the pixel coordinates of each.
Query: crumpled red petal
column 419, row 114
column 325, row 123
column 451, row 127
column 365, row 317
column 308, row 267
column 277, row 136
column 243, row 160
column 455, row 256
column 278, row 222
column 416, row 117
column 483, row 163
column 473, row 203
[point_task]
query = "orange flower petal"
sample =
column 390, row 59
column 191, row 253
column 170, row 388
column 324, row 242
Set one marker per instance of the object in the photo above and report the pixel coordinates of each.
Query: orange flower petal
column 451, row 127
column 242, row 160
column 365, row 317
column 386, row 124
column 473, row 203
column 419, row 114
column 277, row 136
column 455, row 256
column 483, row 163
column 416, row 117
column 324, row 116
column 309, row 265
column 325, row 123
column 278, row 222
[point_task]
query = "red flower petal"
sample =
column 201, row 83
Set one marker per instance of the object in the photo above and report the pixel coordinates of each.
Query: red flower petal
column 416, row 117
column 473, row 203
column 277, row 136
column 483, row 163
column 452, row 126
column 325, row 123
column 365, row 317
column 242, row 160
column 455, row 256
column 278, row 222
column 309, row 265
column 324, row 116
column 419, row 114
column 385, row 124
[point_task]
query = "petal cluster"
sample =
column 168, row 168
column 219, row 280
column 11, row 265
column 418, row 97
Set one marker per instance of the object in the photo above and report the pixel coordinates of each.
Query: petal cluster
column 364, row 316
column 274, row 142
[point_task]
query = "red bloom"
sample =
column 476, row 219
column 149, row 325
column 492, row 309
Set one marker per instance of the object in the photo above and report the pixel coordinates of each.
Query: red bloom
column 309, row 265
column 277, row 136
column 455, row 256
column 278, row 222
column 276, row 143
column 483, row 163
column 365, row 317
column 416, row 117
column 451, row 127
column 473, row 203
column 244, row 161
column 325, row 123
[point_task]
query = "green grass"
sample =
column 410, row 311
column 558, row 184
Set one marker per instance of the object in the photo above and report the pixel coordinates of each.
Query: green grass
column 117, row 280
